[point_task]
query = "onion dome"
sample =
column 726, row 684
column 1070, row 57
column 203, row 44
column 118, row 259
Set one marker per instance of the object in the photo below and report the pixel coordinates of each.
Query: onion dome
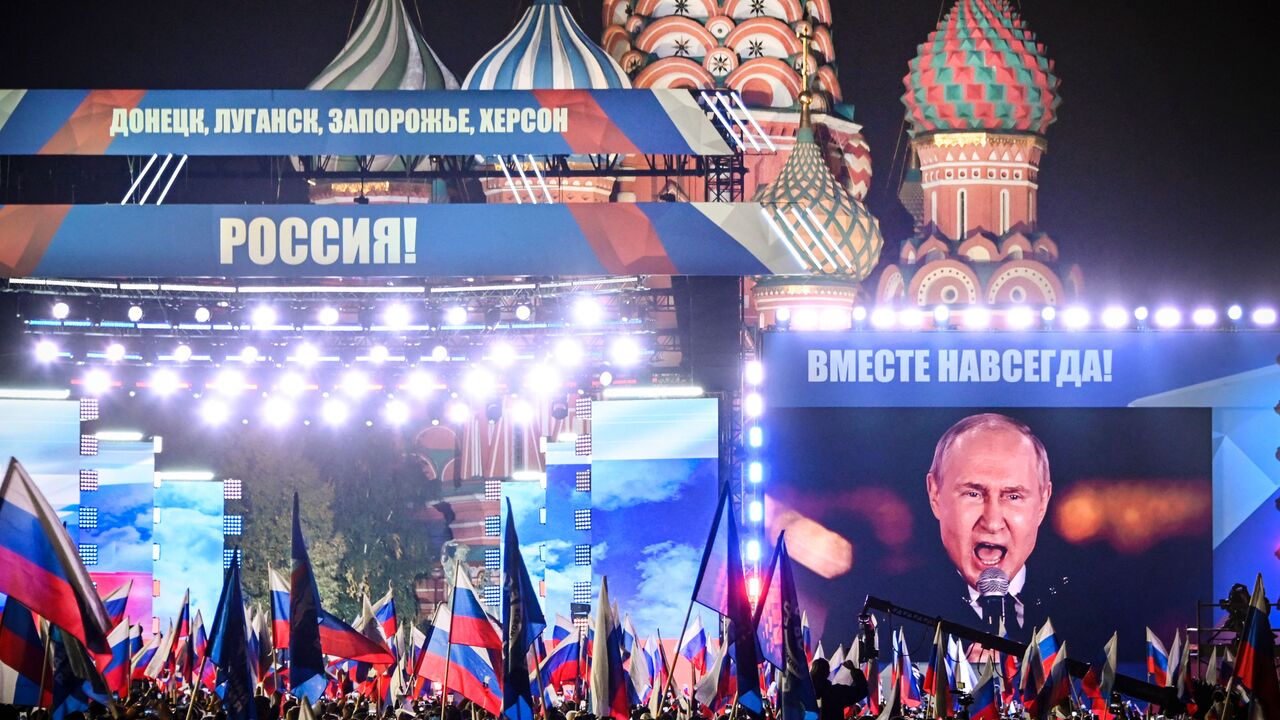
column 848, row 238
column 546, row 50
column 982, row 69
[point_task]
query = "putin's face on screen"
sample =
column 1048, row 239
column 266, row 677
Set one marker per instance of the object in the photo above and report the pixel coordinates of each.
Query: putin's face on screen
column 989, row 489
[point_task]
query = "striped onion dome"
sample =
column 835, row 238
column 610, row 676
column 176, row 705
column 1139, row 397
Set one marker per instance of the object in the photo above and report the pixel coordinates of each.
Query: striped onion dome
column 982, row 69
column 546, row 50
column 386, row 52
column 852, row 241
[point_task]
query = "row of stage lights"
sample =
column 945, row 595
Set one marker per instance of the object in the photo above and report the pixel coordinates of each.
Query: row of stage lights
column 1075, row 317
column 753, row 485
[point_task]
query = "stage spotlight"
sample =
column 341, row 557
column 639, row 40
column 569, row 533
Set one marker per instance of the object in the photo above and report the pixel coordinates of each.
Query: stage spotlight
column 911, row 318
column 396, row 412
column 458, row 413
column 164, row 382
column 202, row 315
column 355, row 383
column 521, row 412
column 883, row 318
column 135, row 313
column 835, row 319
column 61, row 310
column 523, row 312
column 264, row 317
column 334, row 411
column 755, row 437
column 1019, row 317
column 753, row 405
column 502, row 354
column 1115, row 317
column 439, row 353
column 753, row 587
column 783, row 315
column 753, row 546
column 328, row 316
column 568, row 352
column 292, row 384
column 46, row 351
column 1075, row 317
column 859, row 314
column 96, row 382
column 755, row 511
column 805, row 318
column 419, row 384
column 1168, row 317
column 1049, row 313
column 977, row 318
column 543, row 380
column 1141, row 313
column 1264, row 317
column 214, row 412
column 941, row 315
column 307, row 354
column 1204, row 317
column 397, row 316
column 249, row 355
column 479, row 382
column 379, row 354
column 455, row 316
column 277, row 411
column 182, row 353
column 229, row 382
column 587, row 311
column 115, row 352
column 754, row 372
column 1234, row 313
column 755, row 472
column 625, row 352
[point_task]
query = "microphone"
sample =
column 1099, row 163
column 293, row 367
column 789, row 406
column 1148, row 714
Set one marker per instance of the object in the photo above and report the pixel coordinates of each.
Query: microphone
column 993, row 588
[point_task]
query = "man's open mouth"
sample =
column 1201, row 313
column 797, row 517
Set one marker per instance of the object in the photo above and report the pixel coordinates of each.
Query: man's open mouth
column 989, row 554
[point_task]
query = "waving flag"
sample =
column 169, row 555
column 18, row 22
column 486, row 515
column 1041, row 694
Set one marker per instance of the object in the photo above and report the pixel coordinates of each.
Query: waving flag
column 142, row 659
column 693, row 647
column 1255, row 667
column 340, row 640
column 1157, row 660
column 563, row 630
column 116, row 601
column 40, row 565
column 562, row 665
column 1046, row 641
column 76, row 682
column 22, row 657
column 715, row 690
column 807, row 635
column 159, row 661
column 469, row 623
column 115, row 669
column 471, row 672
column 229, row 650
column 522, row 624
column 279, row 609
column 384, row 611
column 642, row 670
column 1031, row 672
column 797, row 698
column 1181, row 681
column 1101, row 678
column 1056, row 690
column 936, row 681
column 608, row 683
column 984, row 697
column 306, row 654
column 962, row 674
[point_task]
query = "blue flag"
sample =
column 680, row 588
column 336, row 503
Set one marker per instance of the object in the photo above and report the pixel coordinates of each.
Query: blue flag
column 522, row 624
column 231, row 650
column 306, row 657
column 779, row 618
column 76, row 681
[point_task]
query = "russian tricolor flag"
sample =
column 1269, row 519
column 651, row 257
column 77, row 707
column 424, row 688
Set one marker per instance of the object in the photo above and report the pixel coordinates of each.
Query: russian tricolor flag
column 341, row 640
column 984, row 698
column 116, row 670
column 143, row 657
column 1046, row 646
column 471, row 671
column 40, row 566
column 279, row 609
column 22, row 654
column 1157, row 660
column 116, row 601
column 469, row 623
column 562, row 666
column 694, row 645
column 384, row 611
column 1256, row 660
column 563, row 630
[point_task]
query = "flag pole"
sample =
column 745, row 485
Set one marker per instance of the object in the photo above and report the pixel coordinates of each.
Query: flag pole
column 448, row 646
column 44, row 668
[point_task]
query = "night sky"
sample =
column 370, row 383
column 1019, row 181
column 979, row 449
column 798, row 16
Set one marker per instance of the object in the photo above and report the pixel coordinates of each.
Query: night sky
column 1157, row 181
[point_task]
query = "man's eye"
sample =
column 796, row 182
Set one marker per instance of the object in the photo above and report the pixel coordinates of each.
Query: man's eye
column 1014, row 496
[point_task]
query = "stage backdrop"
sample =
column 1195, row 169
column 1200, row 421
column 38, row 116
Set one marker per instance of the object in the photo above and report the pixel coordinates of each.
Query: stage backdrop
column 1160, row 456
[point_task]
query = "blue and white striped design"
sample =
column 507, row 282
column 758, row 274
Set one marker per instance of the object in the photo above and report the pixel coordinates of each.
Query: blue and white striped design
column 546, row 51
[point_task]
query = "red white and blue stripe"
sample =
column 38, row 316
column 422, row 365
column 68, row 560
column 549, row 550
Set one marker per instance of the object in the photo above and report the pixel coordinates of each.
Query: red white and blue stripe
column 22, row 654
column 117, row 601
column 116, row 670
column 279, row 609
column 984, row 698
column 343, row 641
column 1157, row 660
column 694, row 645
column 469, row 623
column 471, row 670
column 1256, row 660
column 384, row 611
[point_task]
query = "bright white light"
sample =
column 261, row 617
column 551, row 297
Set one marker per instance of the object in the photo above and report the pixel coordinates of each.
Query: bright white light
column 455, row 316
column 115, row 352
column 977, row 318
column 911, row 318
column 755, row 511
column 164, row 382
column 569, row 352
column 397, row 316
column 264, row 316
column 783, row 315
column 753, row 550
column 653, row 392
column 502, row 354
column 379, row 354
column 755, row 437
column 1019, row 317
column 806, row 318
column 1076, row 317
column 46, row 351
column 249, row 355
column 625, row 351
column 277, row 411
column 859, row 314
column 523, row 313
column 1234, row 313
column 1140, row 313
column 1264, row 316
column 61, row 310
column 1048, row 313
column 439, row 353
column 835, row 319
column 753, row 587
column 520, row 412
column 1115, row 317
column 883, row 317
column 543, row 380
column 214, row 412
column 941, row 315
column 97, row 382
column 396, row 412
column 1168, row 317
column 753, row 405
column 292, row 384
column 182, row 353
column 458, row 413
column 587, row 311
column 307, row 354
column 355, row 383
column 229, row 382
column 755, row 472
column 479, row 382
column 334, row 411
column 419, row 384
column 203, row 315
column 606, row 378
column 118, row 435
column 1204, row 317
column 328, row 316
column 135, row 313
column 754, row 373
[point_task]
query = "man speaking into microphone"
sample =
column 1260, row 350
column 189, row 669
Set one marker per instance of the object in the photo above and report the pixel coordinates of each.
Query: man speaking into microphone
column 989, row 487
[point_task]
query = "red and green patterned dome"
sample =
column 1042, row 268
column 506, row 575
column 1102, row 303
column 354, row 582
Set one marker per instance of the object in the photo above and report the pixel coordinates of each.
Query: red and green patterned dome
column 982, row 69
